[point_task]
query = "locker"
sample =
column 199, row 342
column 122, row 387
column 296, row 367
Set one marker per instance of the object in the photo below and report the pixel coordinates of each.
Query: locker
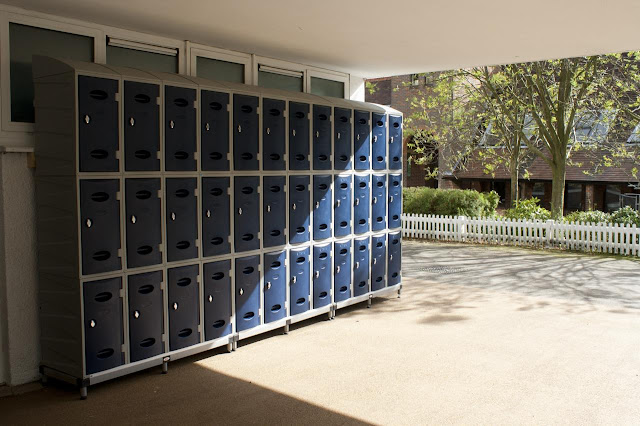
column 273, row 134
column 143, row 222
column 395, row 142
column 342, row 139
column 217, row 299
column 322, row 199
column 379, row 142
column 298, row 136
column 379, row 202
column 141, row 127
column 321, row 137
column 395, row 201
column 395, row 256
column 378, row 264
column 246, row 213
column 342, row 274
column 146, row 318
column 247, row 277
column 274, row 211
column 179, row 129
column 181, row 218
column 361, row 214
column 362, row 140
column 103, row 327
column 184, row 307
column 100, row 225
column 298, row 209
column 299, row 284
column 275, row 286
column 361, row 266
column 342, row 212
column 216, row 216
column 98, row 127
column 322, row 261
column 214, row 130
column 245, row 132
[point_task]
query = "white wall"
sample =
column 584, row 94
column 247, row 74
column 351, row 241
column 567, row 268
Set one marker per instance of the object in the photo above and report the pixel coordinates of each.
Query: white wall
column 356, row 88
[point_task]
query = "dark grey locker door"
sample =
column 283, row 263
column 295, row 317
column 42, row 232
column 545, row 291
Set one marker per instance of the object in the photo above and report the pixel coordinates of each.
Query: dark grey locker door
column 146, row 322
column 141, row 127
column 216, row 216
column 245, row 132
column 103, row 330
column 360, row 266
column 361, row 214
column 275, row 286
column 214, row 130
column 395, row 142
column 299, row 284
column 322, row 200
column 273, row 134
column 179, row 129
column 321, row 137
column 322, row 261
column 181, row 218
column 379, row 142
column 98, row 124
column 274, row 211
column 395, row 257
column 342, row 139
column 298, row 136
column 395, row 201
column 362, row 140
column 143, row 221
column 100, row 225
column 342, row 272
column 184, row 307
column 298, row 209
column 378, row 262
column 247, row 276
column 379, row 202
column 247, row 213
column 342, row 213
column 217, row 299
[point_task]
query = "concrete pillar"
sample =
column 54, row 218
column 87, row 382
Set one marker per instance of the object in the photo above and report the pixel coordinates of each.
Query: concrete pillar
column 588, row 196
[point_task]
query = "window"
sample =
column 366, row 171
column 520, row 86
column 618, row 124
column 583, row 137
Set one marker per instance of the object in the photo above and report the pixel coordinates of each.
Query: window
column 573, row 196
column 276, row 78
column 612, row 198
column 26, row 41
column 141, row 56
column 634, row 137
column 593, row 127
column 538, row 191
column 215, row 69
column 324, row 87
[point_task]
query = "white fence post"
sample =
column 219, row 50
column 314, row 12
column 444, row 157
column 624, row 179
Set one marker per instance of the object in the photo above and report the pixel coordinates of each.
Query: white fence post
column 462, row 228
column 550, row 231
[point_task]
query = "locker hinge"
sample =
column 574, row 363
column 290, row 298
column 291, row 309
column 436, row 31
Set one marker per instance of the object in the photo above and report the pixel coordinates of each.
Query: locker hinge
column 228, row 108
column 118, row 196
column 158, row 102
column 161, row 248
column 195, row 104
column 197, row 243
column 117, row 97
column 120, row 253
column 122, row 292
column 159, row 194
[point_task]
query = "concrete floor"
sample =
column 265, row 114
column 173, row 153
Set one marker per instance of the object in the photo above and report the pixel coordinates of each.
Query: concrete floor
column 480, row 335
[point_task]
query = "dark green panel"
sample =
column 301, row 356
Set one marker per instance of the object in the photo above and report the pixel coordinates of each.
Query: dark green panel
column 214, row 69
column 323, row 87
column 279, row 81
column 148, row 61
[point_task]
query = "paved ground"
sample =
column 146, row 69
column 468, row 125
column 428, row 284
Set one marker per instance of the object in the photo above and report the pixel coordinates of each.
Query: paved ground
column 480, row 335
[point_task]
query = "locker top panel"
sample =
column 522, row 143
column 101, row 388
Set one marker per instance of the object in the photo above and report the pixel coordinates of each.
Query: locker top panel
column 44, row 66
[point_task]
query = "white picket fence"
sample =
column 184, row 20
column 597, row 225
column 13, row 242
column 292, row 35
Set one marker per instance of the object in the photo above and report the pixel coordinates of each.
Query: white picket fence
column 590, row 237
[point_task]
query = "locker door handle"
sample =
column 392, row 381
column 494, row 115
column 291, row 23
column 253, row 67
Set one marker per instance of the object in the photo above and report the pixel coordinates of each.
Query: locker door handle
column 294, row 279
column 317, row 204
column 338, row 203
column 375, row 139
column 358, row 137
column 357, row 265
column 171, row 124
column 374, row 261
column 87, row 119
column 357, row 201
column 175, row 306
column 268, row 209
column 338, row 269
column 240, row 210
column 133, row 219
column 268, row 285
column 391, row 199
column 210, row 298
column 317, row 133
column 391, row 139
column 206, row 127
column 239, row 128
column 132, row 121
column 268, row 131
column 375, row 200
column 241, row 292
column 390, row 257
column 316, row 274
column 92, row 323
column 208, row 213
column 293, row 132
column 136, row 314
column 338, row 135
column 293, row 206
column 89, row 223
column 173, row 216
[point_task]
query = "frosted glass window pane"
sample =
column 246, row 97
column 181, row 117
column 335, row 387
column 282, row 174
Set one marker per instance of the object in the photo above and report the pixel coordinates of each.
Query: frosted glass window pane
column 279, row 81
column 215, row 69
column 323, row 87
column 148, row 61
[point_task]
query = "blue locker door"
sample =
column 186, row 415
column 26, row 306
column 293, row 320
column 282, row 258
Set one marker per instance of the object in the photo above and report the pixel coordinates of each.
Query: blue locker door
column 362, row 140
column 395, row 201
column 321, row 137
column 298, row 209
column 273, row 134
column 395, row 142
column 342, row 213
column 216, row 216
column 144, row 222
column 379, row 143
column 378, row 262
column 342, row 139
column 214, row 130
column 217, row 299
column 299, row 281
column 361, row 213
column 321, row 276
column 181, row 218
column 361, row 266
column 179, row 129
column 184, row 307
column 342, row 274
column 322, row 199
column 274, row 211
column 395, row 258
column 247, row 276
column 141, row 127
column 246, row 213
column 275, row 286
column 146, row 315
column 379, row 202
column 298, row 136
column 245, row 132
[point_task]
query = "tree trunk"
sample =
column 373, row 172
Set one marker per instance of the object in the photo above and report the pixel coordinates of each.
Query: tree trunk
column 557, row 189
column 515, row 196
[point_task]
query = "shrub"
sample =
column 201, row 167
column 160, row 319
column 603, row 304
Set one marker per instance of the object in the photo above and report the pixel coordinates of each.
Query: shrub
column 591, row 216
column 528, row 209
column 626, row 215
column 449, row 202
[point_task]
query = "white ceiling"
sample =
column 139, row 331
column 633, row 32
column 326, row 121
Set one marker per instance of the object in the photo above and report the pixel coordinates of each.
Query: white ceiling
column 377, row 38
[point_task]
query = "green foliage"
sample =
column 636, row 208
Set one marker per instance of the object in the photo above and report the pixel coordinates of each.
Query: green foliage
column 449, row 202
column 591, row 216
column 528, row 209
column 626, row 215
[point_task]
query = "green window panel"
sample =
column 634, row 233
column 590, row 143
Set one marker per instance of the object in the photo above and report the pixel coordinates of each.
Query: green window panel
column 279, row 81
column 148, row 61
column 215, row 69
column 324, row 87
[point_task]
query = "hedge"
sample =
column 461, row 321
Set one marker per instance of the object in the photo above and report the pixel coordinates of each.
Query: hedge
column 451, row 202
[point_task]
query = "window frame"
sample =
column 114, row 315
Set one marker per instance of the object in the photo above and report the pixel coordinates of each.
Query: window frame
column 194, row 50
